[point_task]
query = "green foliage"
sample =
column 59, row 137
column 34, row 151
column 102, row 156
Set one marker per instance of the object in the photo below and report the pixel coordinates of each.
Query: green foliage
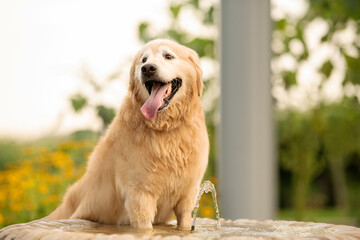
column 326, row 215
column 353, row 70
column 143, row 31
column 281, row 24
column 106, row 114
column 325, row 138
column 340, row 133
column 298, row 150
column 326, row 69
column 323, row 141
column 337, row 14
column 336, row 10
column 203, row 46
column 9, row 152
column 289, row 79
column 78, row 102
column 175, row 10
column 340, row 121
column 84, row 135
column 195, row 3
column 81, row 101
column 209, row 18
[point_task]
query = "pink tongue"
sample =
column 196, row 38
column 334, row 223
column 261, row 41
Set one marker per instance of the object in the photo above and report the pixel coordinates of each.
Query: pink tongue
column 154, row 102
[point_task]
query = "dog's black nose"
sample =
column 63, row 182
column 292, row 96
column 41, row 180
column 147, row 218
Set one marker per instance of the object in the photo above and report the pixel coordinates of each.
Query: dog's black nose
column 148, row 69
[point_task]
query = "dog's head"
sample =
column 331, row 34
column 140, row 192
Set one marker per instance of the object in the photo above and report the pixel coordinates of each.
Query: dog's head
column 164, row 73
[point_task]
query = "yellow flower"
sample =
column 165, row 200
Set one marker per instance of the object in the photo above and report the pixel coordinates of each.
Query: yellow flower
column 2, row 195
column 15, row 194
column 69, row 173
column 43, row 188
column 27, row 184
column 53, row 198
column 43, row 150
column 39, row 179
column 16, row 207
column 30, row 206
column 27, row 151
column 207, row 211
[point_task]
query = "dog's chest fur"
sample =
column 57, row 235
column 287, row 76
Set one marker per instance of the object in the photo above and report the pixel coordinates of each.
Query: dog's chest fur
column 160, row 156
column 161, row 162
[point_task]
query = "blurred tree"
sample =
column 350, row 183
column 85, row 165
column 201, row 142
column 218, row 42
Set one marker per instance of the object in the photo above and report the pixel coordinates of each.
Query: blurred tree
column 80, row 100
column 298, row 153
column 339, row 130
column 334, row 117
column 204, row 45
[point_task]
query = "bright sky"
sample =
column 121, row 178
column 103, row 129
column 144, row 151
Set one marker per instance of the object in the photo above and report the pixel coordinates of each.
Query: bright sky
column 43, row 46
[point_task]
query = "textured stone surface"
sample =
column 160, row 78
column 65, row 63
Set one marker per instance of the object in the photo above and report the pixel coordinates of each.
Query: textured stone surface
column 205, row 229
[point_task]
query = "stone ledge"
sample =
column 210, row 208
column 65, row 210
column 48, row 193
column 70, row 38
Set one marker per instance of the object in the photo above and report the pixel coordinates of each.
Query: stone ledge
column 45, row 229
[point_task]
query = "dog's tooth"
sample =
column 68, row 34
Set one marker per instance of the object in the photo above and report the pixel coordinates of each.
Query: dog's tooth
column 169, row 89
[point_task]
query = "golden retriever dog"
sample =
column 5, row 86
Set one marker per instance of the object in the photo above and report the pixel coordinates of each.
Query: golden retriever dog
column 150, row 162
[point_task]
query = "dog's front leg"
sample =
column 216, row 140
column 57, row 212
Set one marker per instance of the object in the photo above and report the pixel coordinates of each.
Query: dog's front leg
column 183, row 211
column 141, row 208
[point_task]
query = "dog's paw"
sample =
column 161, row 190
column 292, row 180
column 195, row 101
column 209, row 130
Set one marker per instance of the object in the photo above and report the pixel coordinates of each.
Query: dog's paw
column 142, row 225
column 184, row 227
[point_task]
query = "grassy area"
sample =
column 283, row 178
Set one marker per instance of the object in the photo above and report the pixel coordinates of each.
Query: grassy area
column 326, row 215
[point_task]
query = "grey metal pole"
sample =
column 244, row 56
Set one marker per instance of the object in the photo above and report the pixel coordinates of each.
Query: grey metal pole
column 247, row 166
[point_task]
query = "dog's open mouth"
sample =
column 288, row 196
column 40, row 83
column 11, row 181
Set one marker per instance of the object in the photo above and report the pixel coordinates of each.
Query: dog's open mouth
column 160, row 95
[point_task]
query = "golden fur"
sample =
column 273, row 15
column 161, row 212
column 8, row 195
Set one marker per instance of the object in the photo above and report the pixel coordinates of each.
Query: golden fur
column 142, row 171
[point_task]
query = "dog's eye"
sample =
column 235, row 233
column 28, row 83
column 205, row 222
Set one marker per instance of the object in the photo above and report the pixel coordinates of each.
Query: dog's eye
column 169, row 56
column 144, row 60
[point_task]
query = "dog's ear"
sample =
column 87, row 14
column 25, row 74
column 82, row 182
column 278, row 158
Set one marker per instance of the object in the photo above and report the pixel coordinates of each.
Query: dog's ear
column 194, row 58
column 132, row 72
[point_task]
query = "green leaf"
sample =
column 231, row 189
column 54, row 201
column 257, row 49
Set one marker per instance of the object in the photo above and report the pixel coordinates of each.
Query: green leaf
column 175, row 10
column 142, row 31
column 78, row 102
column 209, row 17
column 195, row 3
column 176, row 35
column 353, row 70
column 289, row 79
column 325, row 38
column 281, row 24
column 203, row 46
column 106, row 114
column 353, row 6
column 327, row 68
column 335, row 10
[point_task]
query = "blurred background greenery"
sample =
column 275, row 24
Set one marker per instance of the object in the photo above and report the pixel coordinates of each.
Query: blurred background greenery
column 318, row 139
